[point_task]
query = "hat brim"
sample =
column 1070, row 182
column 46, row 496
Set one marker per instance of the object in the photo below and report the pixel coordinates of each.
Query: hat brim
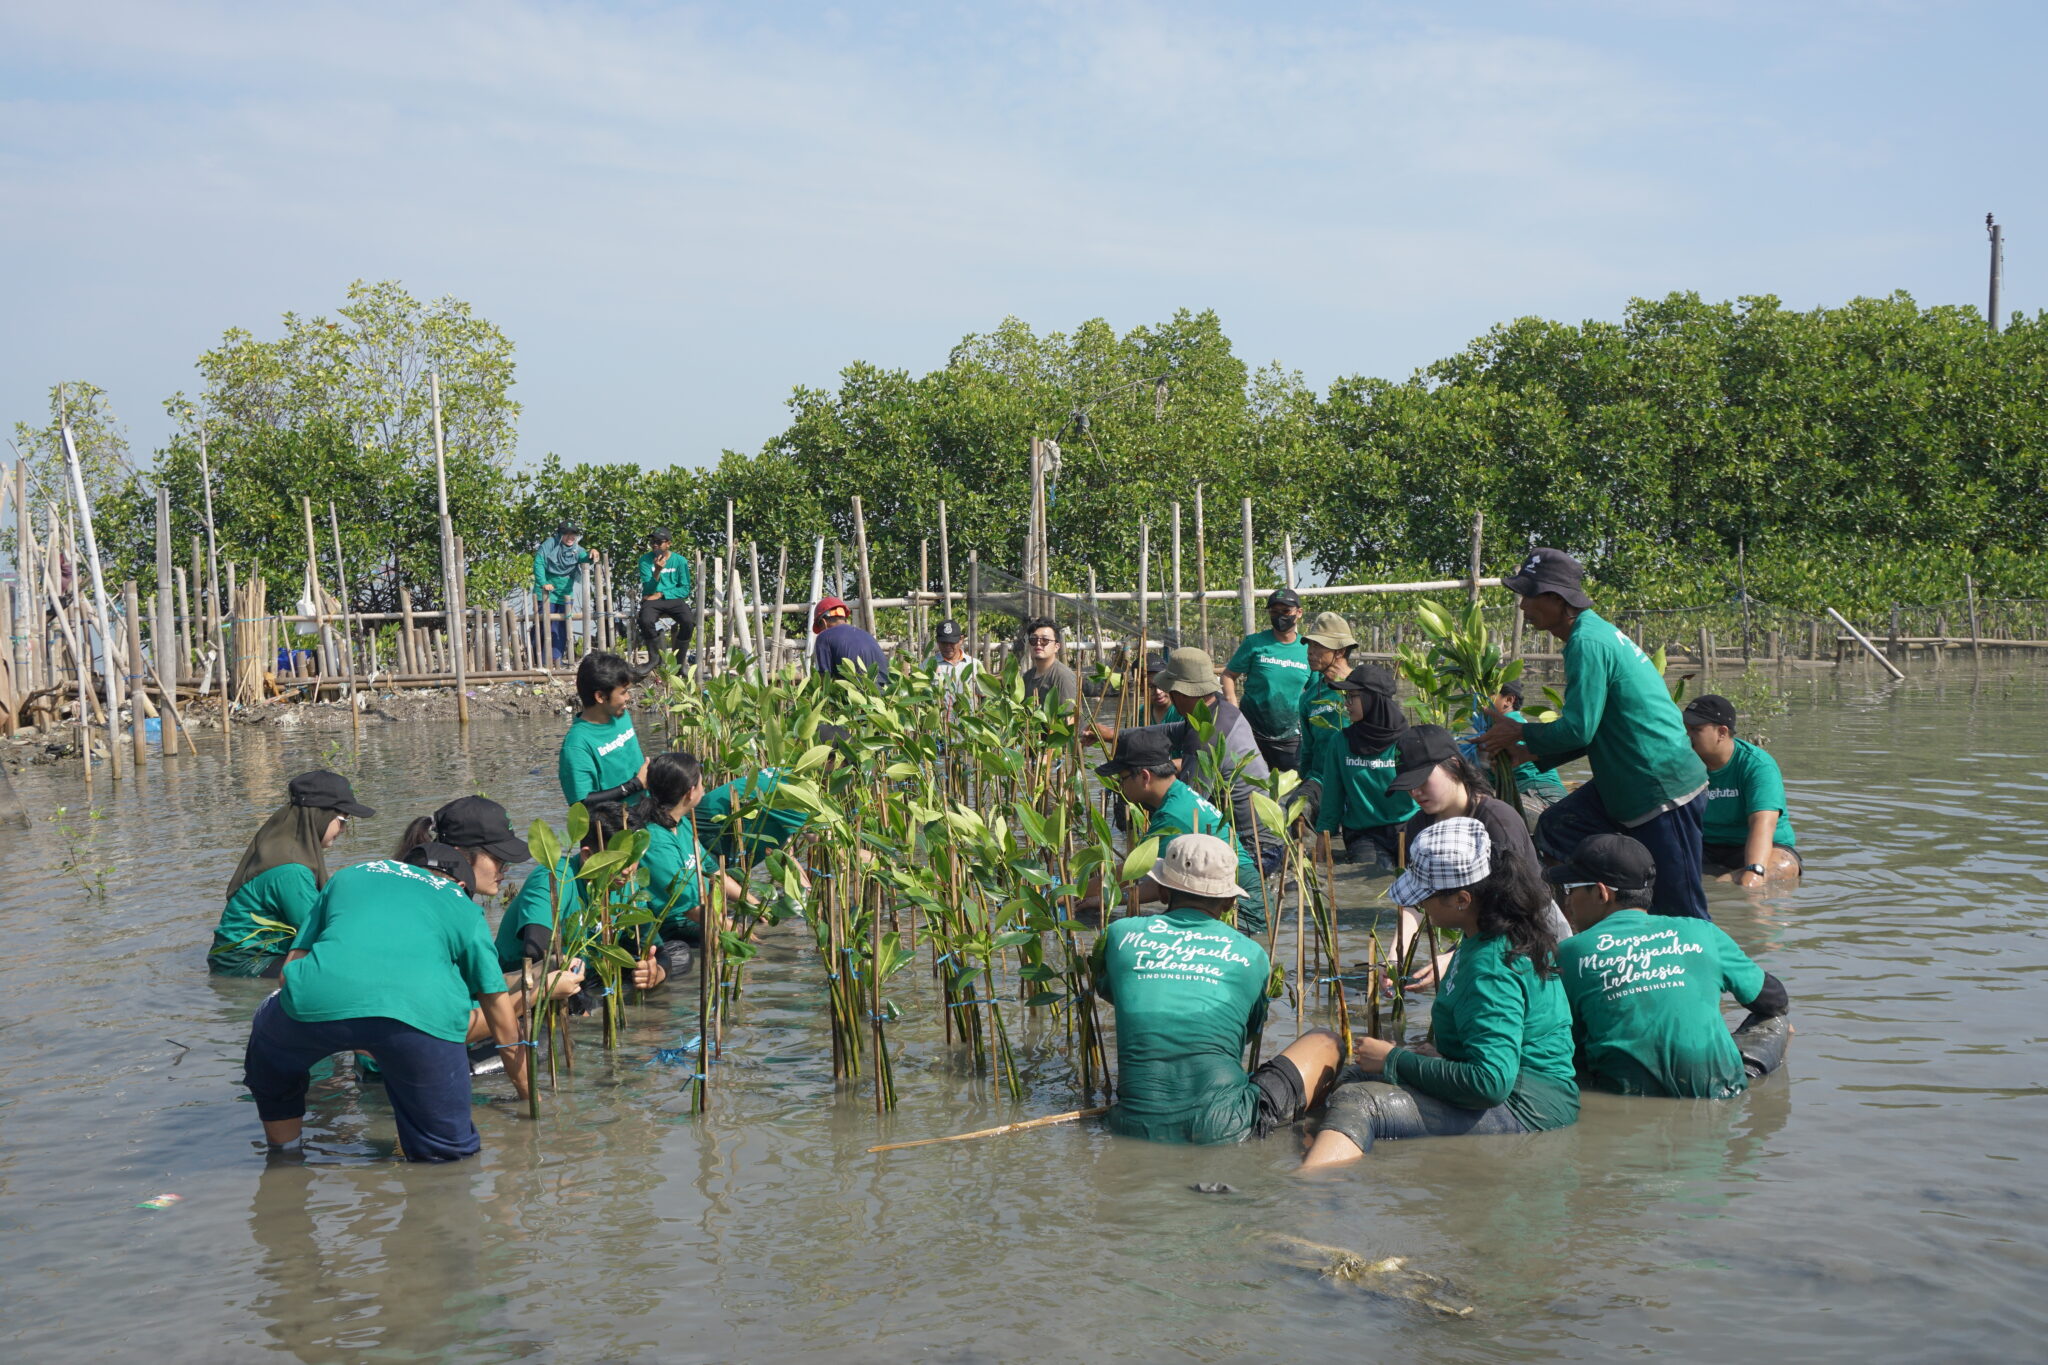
column 1187, row 688
column 507, row 850
column 1111, row 770
column 355, row 810
column 1560, row 873
column 1332, row 641
column 1215, row 891
column 1411, row 890
column 1526, row 585
column 1408, row 779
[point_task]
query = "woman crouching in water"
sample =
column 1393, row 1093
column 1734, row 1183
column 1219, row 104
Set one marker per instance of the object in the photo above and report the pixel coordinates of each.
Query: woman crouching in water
column 387, row 963
column 281, row 874
column 1503, row 1027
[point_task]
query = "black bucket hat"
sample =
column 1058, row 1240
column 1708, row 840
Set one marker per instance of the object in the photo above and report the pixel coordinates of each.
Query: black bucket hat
column 479, row 822
column 1551, row 571
column 1418, row 752
column 323, row 790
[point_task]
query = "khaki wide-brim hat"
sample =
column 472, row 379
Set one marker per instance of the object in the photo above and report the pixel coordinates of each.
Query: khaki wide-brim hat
column 1331, row 631
column 1188, row 671
column 1199, row 865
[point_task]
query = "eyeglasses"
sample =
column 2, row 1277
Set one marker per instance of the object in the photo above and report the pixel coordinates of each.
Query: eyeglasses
column 1045, row 639
column 1575, row 886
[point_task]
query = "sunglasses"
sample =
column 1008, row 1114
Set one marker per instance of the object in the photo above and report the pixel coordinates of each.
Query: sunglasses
column 1575, row 886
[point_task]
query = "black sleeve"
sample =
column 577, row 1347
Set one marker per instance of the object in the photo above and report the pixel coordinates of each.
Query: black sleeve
column 625, row 789
column 1770, row 1001
column 534, row 942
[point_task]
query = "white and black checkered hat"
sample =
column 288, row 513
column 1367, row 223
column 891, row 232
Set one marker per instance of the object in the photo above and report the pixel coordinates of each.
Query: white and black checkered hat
column 1447, row 855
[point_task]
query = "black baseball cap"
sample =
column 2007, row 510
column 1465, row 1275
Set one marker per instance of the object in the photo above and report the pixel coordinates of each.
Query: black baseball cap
column 660, row 535
column 1512, row 689
column 1283, row 597
column 1367, row 678
column 949, row 632
column 568, row 528
column 1417, row 753
column 323, row 790
column 479, row 822
column 1552, row 571
column 1710, row 709
column 1613, row 860
column 1143, row 746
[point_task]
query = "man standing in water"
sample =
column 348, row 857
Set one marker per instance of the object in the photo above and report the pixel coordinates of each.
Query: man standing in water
column 1746, row 831
column 556, row 566
column 600, row 758
column 1190, row 995
column 1266, row 677
column 1647, row 781
column 950, row 667
column 1044, row 675
column 665, row 595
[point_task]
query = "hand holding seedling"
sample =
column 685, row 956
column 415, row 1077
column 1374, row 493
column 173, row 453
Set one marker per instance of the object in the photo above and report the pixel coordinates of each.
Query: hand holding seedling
column 1499, row 734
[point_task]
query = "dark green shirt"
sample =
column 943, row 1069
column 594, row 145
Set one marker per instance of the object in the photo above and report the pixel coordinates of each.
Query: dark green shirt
column 556, row 587
column 718, row 825
column 1528, row 775
column 1364, row 801
column 284, row 893
column 1189, row 993
column 535, row 904
column 1187, row 811
column 387, row 940
column 1645, row 992
column 672, row 859
column 1747, row 783
column 1274, row 675
column 1620, row 716
column 1322, row 718
column 596, row 758
column 1505, row 1035
column 672, row 582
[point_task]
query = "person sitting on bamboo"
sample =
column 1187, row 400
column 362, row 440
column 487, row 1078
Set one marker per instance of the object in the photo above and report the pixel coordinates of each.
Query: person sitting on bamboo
column 665, row 596
column 1190, row 996
column 1145, row 770
column 281, row 874
column 600, row 758
column 675, row 860
column 388, row 963
column 1502, row 1028
column 556, row 566
column 1646, row 989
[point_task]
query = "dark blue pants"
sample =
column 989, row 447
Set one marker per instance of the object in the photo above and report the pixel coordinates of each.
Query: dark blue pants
column 556, row 614
column 1369, row 1111
column 426, row 1077
column 1673, row 839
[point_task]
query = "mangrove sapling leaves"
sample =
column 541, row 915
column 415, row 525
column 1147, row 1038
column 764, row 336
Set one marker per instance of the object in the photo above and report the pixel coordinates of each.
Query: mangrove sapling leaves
column 902, row 771
column 1272, row 820
column 1141, row 859
column 541, row 842
column 812, row 757
column 579, row 823
column 1043, row 998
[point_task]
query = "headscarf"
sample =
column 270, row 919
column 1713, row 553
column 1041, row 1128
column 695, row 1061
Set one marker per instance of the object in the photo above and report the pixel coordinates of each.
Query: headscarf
column 561, row 559
column 1383, row 721
column 291, row 835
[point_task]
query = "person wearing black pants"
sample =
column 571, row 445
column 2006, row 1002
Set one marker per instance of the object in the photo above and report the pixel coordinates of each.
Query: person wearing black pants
column 665, row 594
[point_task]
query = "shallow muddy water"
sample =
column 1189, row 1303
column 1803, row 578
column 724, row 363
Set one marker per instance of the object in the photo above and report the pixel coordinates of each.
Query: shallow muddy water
column 1882, row 1199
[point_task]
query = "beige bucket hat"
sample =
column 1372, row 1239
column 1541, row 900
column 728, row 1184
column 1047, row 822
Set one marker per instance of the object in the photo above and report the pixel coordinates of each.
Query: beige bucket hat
column 1331, row 631
column 1188, row 671
column 1200, row 865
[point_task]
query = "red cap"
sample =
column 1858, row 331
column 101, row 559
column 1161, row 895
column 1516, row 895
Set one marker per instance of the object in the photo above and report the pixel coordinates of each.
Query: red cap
column 830, row 604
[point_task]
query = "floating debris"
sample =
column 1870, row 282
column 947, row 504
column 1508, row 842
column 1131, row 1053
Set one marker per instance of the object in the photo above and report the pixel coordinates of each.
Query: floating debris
column 161, row 1201
column 1389, row 1277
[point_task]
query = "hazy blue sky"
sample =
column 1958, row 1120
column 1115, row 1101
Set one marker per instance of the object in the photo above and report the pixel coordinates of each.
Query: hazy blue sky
column 680, row 212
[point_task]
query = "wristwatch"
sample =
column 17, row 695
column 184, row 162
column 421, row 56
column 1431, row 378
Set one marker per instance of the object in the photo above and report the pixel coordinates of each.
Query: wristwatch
column 1757, row 868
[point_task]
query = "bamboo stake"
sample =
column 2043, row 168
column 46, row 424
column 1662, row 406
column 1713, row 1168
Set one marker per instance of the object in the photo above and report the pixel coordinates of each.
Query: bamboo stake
column 230, row 645
column 1976, row 636
column 1863, row 640
column 25, row 587
column 781, row 603
column 945, row 561
column 860, row 550
column 1202, row 569
column 137, row 722
column 1287, row 557
column 760, row 625
column 1144, row 588
column 99, row 597
column 450, row 572
column 703, row 627
column 1478, row 526
column 998, row 1131
column 1175, row 614
column 348, row 646
column 1245, row 585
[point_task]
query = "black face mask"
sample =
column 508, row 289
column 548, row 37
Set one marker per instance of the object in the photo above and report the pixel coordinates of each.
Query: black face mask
column 1284, row 623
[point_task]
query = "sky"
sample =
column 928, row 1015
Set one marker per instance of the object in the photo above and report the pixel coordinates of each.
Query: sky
column 679, row 213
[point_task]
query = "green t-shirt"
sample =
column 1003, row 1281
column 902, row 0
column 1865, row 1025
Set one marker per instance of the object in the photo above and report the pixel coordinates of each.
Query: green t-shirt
column 672, row 582
column 534, row 904
column 1620, row 716
column 1274, row 675
column 717, row 832
column 1747, row 783
column 1187, row 811
column 671, row 860
column 1322, row 717
column 284, row 893
column 1645, row 992
column 596, row 758
column 1362, row 782
column 1505, row 1035
column 556, row 586
column 388, row 940
column 1189, row 993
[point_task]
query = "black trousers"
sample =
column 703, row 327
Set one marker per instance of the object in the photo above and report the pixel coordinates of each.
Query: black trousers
column 1281, row 755
column 654, row 610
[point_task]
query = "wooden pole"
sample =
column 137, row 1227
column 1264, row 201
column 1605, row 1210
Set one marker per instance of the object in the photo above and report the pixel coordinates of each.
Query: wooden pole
column 1144, row 588
column 25, row 596
column 1174, row 615
column 348, row 643
column 781, row 603
column 330, row 657
column 163, row 625
column 185, row 656
column 154, row 609
column 1478, row 528
column 974, row 601
column 1976, row 638
column 99, row 598
column 216, row 610
column 451, row 576
column 945, row 561
column 1202, row 568
column 231, row 658
column 1861, row 639
column 1287, row 557
column 1244, row 590
column 860, row 550
column 1047, row 1120
column 760, row 625
column 697, row 589
column 1742, row 591
column 137, row 710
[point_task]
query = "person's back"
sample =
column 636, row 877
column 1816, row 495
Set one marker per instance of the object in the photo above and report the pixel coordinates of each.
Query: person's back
column 1189, row 992
column 391, row 940
column 1632, row 732
column 848, row 643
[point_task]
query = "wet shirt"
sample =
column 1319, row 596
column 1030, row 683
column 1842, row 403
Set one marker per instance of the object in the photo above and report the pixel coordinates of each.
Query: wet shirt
column 388, row 940
column 670, row 581
column 1056, row 681
column 1189, row 993
column 1505, row 1035
column 284, row 893
column 1620, row 716
column 1747, row 783
column 596, row 758
column 718, row 832
column 1362, row 784
column 1645, row 992
column 672, row 859
column 535, row 904
column 849, row 644
column 1274, row 675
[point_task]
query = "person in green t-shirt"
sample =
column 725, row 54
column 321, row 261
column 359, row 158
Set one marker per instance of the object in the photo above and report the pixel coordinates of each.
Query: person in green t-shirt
column 665, row 596
column 387, row 963
column 1618, row 715
column 281, row 874
column 742, row 821
column 1646, row 989
column 1502, row 1061
column 1364, row 808
column 600, row 759
column 1145, row 771
column 1190, row 995
column 1265, row 678
column 1746, row 834
column 1322, row 714
column 526, row 931
column 675, row 861
column 556, row 566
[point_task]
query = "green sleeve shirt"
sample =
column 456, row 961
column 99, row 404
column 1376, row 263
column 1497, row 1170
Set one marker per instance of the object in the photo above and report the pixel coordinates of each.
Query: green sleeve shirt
column 1505, row 1035
column 1527, row 775
column 719, row 819
column 535, row 904
column 1187, row 811
column 556, row 587
column 597, row 758
column 1322, row 717
column 1618, row 713
column 672, row 582
column 671, row 860
column 284, row 893
column 1749, row 782
column 1645, row 991
column 1362, row 784
column 393, row 941
column 1189, row 993
column 1274, row 675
